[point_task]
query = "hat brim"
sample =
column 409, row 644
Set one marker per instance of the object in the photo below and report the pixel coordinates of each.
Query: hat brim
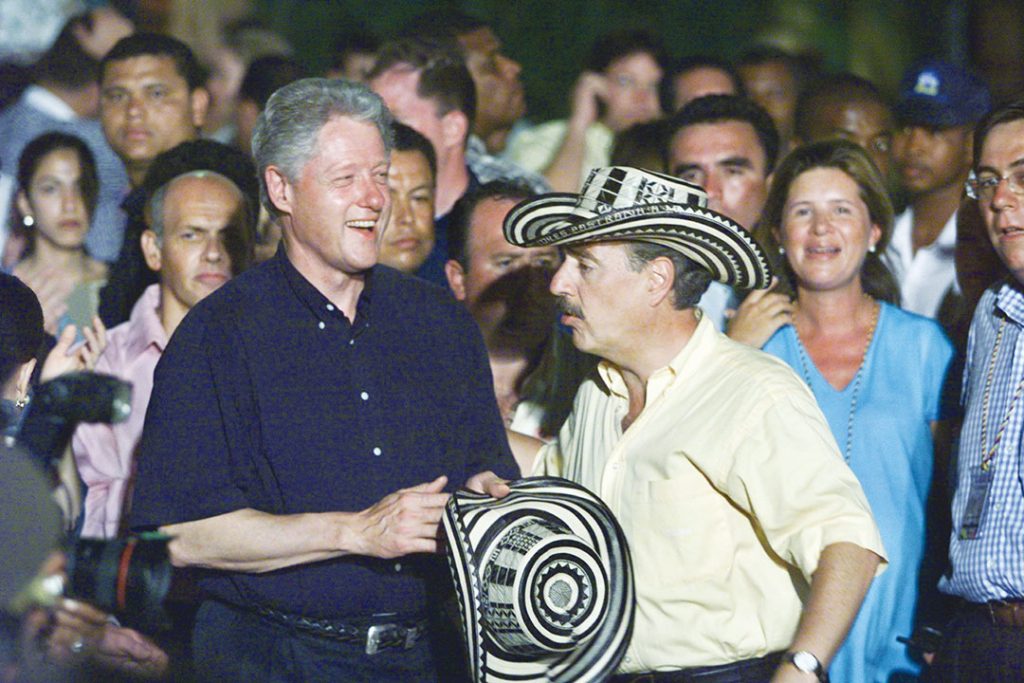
column 471, row 523
column 713, row 240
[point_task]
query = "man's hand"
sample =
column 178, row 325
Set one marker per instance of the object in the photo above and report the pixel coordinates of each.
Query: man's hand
column 760, row 315
column 403, row 522
column 128, row 651
column 489, row 483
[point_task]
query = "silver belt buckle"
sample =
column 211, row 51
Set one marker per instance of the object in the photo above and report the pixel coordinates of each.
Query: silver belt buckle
column 376, row 633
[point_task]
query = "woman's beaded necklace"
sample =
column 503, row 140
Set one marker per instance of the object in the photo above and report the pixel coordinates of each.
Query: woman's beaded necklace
column 806, row 366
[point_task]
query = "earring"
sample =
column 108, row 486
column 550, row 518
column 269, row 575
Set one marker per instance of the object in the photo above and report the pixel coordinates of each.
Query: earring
column 872, row 249
column 28, row 221
column 21, row 402
column 782, row 250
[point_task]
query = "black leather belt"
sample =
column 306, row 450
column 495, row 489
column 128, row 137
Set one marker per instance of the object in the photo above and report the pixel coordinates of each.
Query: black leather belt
column 373, row 637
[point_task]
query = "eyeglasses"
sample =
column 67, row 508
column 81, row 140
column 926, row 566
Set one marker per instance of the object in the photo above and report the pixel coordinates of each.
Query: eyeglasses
column 983, row 186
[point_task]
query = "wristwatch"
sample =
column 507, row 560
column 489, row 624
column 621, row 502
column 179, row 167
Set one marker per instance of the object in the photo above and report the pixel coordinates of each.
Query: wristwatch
column 806, row 661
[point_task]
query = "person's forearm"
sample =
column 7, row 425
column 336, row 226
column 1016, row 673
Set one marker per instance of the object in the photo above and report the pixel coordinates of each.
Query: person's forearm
column 565, row 169
column 838, row 587
column 248, row 540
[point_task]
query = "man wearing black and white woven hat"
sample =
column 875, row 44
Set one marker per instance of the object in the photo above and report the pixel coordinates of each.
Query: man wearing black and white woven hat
column 752, row 542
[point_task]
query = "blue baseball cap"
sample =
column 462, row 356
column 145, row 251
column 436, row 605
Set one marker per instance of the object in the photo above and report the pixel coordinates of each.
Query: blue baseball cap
column 938, row 94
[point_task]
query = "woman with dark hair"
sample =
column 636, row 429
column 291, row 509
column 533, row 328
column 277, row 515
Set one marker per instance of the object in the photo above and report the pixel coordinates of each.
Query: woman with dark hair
column 57, row 190
column 876, row 371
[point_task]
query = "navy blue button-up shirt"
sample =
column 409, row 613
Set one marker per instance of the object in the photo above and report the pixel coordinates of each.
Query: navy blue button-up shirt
column 268, row 398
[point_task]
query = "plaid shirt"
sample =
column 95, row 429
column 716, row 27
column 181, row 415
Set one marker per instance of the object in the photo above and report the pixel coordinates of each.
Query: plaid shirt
column 991, row 566
column 487, row 167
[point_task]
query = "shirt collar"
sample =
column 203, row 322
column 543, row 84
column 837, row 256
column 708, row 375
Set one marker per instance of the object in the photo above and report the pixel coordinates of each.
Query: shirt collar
column 319, row 305
column 1010, row 300
column 696, row 348
column 45, row 101
column 145, row 328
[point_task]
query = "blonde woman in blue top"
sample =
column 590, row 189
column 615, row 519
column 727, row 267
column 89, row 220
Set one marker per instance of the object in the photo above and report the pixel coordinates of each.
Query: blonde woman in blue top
column 876, row 371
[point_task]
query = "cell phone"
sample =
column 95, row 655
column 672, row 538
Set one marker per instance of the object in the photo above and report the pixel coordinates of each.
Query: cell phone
column 924, row 639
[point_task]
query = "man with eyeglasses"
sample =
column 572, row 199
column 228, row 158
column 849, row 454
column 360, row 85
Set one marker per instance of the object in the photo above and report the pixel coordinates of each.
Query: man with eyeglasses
column 985, row 641
column 938, row 105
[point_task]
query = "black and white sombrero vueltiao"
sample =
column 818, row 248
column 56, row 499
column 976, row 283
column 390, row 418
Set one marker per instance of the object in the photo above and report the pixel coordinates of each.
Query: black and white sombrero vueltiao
column 622, row 203
column 544, row 580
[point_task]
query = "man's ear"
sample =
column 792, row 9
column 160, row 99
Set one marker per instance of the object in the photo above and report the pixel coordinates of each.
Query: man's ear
column 279, row 189
column 454, row 128
column 661, row 275
column 199, row 103
column 456, row 278
column 150, row 244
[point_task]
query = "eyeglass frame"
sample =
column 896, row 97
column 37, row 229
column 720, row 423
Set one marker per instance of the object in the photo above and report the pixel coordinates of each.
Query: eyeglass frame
column 971, row 186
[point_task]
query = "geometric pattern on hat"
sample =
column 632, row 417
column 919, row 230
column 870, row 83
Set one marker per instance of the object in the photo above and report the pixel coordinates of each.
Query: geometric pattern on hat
column 622, row 203
column 544, row 581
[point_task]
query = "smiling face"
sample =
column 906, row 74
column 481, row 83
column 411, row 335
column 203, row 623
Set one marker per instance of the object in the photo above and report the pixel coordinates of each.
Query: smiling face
column 826, row 230
column 146, row 108
column 1003, row 153
column 632, row 95
column 601, row 297
column 409, row 236
column 335, row 211
column 727, row 160
column 55, row 202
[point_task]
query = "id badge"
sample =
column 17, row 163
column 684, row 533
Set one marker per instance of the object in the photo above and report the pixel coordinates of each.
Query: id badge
column 980, row 484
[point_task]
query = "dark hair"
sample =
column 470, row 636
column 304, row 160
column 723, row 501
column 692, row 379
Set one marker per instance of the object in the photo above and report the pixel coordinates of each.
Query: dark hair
column 462, row 213
column 691, row 279
column 841, row 87
column 36, row 150
column 207, row 155
column 442, row 23
column 353, row 43
column 618, row 44
column 640, row 145
column 265, row 75
column 21, row 325
column 411, row 140
column 443, row 73
column 1008, row 113
column 800, row 68
column 66, row 63
column 718, row 108
column 851, row 159
column 157, row 45
column 692, row 63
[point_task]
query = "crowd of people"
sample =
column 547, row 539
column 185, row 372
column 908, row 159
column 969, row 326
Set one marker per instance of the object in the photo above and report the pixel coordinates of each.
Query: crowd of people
column 767, row 313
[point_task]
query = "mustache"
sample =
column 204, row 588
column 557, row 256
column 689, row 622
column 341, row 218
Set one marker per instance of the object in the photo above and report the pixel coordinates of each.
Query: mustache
column 569, row 308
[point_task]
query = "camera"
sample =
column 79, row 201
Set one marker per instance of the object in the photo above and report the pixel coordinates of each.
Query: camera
column 127, row 577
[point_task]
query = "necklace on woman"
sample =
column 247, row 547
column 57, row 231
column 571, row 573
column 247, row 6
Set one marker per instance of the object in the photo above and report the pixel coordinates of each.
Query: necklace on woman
column 805, row 364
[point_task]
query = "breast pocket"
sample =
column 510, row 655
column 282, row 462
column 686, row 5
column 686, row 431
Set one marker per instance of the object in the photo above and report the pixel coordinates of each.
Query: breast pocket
column 685, row 532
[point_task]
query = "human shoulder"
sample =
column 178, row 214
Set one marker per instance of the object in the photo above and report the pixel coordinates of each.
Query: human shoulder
column 907, row 326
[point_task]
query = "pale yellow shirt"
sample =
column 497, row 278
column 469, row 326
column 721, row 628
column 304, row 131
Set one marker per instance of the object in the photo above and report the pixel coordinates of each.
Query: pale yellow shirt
column 728, row 486
column 534, row 149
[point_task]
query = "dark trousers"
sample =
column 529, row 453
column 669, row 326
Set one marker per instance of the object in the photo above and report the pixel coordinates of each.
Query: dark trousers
column 758, row 670
column 974, row 649
column 230, row 644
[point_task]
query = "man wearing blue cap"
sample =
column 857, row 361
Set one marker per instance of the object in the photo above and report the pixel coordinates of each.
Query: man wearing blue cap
column 938, row 105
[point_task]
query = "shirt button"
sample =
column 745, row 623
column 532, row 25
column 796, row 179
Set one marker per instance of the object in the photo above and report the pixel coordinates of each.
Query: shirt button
column 376, row 450
column 365, row 396
column 330, row 307
column 321, row 324
column 351, row 342
column 398, row 566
